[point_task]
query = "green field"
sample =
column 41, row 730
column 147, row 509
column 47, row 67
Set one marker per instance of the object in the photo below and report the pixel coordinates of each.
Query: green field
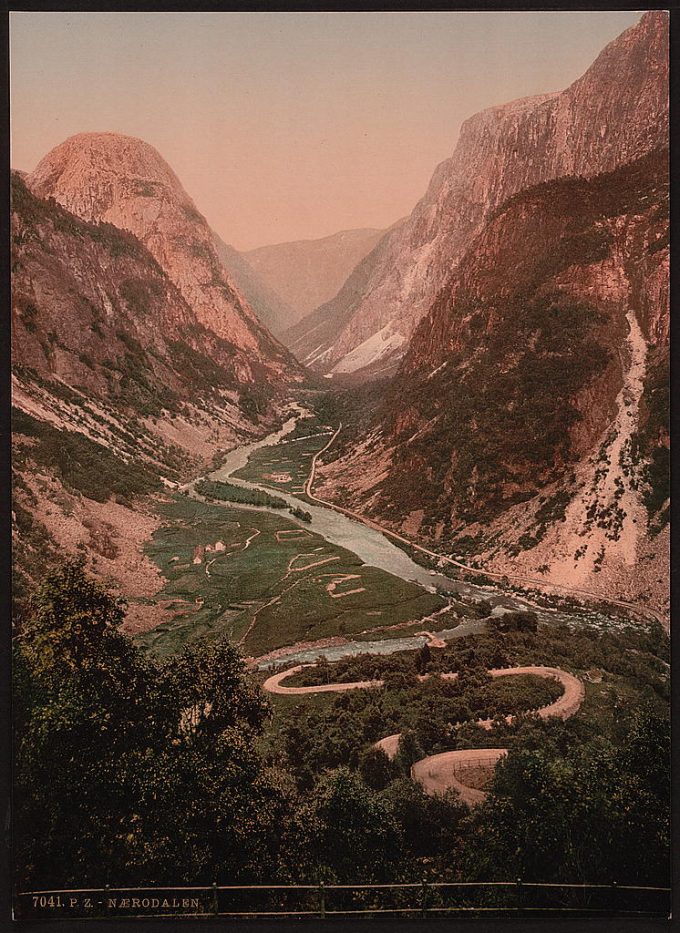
column 264, row 582
column 286, row 465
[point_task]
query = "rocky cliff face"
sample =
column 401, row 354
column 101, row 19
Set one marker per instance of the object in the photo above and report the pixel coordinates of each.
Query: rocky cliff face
column 307, row 273
column 125, row 182
column 86, row 295
column 614, row 113
column 528, row 419
column 118, row 391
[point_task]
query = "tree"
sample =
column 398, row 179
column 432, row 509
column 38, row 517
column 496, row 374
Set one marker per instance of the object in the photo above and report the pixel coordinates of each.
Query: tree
column 376, row 768
column 69, row 616
column 430, row 826
column 521, row 621
column 580, row 810
column 128, row 769
column 346, row 832
column 423, row 659
column 80, row 698
column 409, row 751
column 641, row 798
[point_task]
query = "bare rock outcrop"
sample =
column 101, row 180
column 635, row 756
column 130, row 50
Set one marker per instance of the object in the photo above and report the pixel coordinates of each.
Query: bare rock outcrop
column 125, row 182
column 616, row 112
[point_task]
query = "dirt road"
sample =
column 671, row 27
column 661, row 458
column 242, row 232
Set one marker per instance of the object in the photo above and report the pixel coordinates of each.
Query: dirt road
column 564, row 707
column 448, row 770
column 273, row 684
column 438, row 773
column 541, row 585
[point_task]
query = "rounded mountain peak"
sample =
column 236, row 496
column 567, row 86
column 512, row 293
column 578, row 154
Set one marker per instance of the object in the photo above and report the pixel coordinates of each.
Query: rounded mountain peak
column 99, row 162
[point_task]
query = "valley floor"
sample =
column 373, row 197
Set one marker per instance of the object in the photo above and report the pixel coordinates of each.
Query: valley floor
column 323, row 578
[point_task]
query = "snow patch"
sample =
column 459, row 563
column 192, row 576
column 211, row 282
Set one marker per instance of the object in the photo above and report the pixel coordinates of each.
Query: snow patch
column 375, row 348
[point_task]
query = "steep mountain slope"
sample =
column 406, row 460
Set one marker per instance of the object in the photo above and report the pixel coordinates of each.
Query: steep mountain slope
column 310, row 338
column 125, row 182
column 528, row 421
column 306, row 273
column 118, row 392
column 88, row 298
column 269, row 306
column 614, row 113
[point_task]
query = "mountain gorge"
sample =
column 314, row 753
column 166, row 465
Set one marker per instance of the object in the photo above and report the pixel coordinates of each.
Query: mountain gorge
column 530, row 404
column 135, row 358
column 307, row 273
column 614, row 113
column 353, row 552
column 269, row 306
column 512, row 333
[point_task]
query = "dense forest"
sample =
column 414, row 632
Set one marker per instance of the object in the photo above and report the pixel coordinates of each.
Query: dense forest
column 134, row 770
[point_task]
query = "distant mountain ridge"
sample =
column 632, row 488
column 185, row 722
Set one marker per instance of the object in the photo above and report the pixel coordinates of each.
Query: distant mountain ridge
column 269, row 306
column 616, row 112
column 306, row 273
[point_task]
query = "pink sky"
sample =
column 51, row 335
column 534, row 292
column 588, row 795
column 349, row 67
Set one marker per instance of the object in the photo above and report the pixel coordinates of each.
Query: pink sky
column 285, row 126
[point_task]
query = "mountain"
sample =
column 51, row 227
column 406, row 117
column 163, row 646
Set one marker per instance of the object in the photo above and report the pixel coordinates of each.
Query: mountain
column 91, row 308
column 106, row 177
column 310, row 338
column 614, row 113
column 118, row 392
column 532, row 403
column 270, row 308
column 307, row 273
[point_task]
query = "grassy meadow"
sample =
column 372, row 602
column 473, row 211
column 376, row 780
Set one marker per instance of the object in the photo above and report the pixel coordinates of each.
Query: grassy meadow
column 264, row 582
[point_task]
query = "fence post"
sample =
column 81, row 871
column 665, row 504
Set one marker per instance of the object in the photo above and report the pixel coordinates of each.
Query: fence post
column 215, row 905
column 322, row 901
column 520, row 892
column 423, row 898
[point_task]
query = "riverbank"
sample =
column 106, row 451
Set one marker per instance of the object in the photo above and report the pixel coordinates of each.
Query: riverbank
column 294, row 590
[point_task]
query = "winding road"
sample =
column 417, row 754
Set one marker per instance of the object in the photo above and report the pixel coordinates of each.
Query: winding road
column 435, row 773
column 448, row 771
column 564, row 707
column 439, row 773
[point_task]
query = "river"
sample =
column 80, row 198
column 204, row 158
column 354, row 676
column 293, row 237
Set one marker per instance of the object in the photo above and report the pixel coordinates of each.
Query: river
column 372, row 547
